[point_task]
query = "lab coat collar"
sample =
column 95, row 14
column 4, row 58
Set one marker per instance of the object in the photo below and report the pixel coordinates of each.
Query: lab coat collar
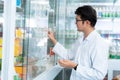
column 91, row 35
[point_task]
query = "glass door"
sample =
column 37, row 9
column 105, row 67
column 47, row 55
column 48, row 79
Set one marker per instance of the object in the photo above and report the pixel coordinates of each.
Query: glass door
column 33, row 49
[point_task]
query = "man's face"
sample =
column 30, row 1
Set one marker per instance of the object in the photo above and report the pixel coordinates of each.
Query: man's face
column 80, row 23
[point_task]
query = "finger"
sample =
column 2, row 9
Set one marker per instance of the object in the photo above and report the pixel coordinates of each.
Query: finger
column 60, row 61
column 61, row 64
column 65, row 60
column 49, row 32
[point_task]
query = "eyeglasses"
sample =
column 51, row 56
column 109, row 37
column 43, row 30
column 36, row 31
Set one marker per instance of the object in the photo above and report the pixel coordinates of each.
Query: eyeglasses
column 79, row 20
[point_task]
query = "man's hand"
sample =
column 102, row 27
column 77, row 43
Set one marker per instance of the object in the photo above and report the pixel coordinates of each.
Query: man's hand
column 52, row 37
column 67, row 63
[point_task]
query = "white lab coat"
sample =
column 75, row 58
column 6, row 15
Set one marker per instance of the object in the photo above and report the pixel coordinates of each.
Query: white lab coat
column 90, row 54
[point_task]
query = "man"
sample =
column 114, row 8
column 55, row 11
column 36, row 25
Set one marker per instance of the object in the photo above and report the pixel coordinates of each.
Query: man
column 89, row 53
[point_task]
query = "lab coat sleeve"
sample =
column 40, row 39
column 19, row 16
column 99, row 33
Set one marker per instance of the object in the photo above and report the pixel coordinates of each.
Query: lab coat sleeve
column 65, row 53
column 60, row 50
column 99, row 66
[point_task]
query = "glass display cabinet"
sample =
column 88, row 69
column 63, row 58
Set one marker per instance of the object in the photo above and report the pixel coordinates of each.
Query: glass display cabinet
column 38, row 58
column 33, row 56
column 33, row 50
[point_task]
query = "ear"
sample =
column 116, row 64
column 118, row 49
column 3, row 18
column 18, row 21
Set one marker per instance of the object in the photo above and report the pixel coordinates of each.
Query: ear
column 88, row 22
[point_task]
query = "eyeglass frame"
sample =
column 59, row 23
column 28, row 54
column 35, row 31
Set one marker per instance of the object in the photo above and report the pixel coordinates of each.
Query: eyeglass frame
column 79, row 20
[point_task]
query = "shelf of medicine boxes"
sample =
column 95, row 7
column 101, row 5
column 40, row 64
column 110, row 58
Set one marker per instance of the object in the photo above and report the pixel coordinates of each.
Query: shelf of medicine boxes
column 19, row 59
column 104, row 10
column 111, row 35
column 18, row 51
column 68, row 34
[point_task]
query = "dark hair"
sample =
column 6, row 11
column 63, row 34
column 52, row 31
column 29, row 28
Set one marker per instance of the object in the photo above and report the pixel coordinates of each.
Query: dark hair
column 86, row 12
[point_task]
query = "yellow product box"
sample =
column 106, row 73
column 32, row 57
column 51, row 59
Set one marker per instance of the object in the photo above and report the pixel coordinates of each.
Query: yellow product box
column 0, row 41
column 0, row 52
column 17, row 47
column 19, row 33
